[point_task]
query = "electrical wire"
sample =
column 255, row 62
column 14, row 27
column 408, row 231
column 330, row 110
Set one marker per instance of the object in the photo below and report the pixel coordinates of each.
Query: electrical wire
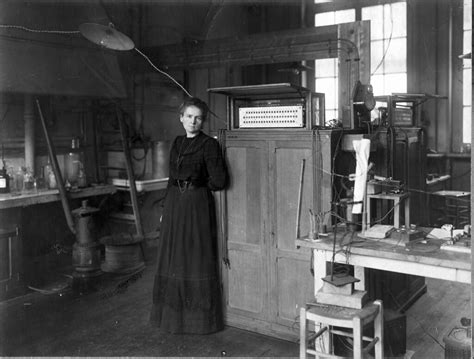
column 388, row 44
column 163, row 72
column 61, row 32
column 24, row 28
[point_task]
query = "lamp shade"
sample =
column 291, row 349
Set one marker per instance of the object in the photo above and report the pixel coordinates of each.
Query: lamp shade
column 106, row 36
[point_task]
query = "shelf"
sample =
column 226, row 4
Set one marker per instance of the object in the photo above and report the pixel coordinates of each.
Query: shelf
column 143, row 185
column 9, row 200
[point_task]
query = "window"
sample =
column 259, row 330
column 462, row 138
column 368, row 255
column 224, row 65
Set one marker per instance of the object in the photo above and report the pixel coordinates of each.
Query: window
column 388, row 50
column 467, row 73
column 326, row 69
column 388, row 47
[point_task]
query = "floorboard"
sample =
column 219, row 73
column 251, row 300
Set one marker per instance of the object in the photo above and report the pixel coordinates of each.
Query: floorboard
column 112, row 320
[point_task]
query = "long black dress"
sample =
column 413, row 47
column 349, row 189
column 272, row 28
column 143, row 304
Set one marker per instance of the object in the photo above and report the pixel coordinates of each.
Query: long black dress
column 187, row 290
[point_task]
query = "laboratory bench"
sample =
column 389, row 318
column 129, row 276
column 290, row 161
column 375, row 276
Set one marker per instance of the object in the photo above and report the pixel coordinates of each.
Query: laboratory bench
column 9, row 200
column 33, row 229
column 419, row 258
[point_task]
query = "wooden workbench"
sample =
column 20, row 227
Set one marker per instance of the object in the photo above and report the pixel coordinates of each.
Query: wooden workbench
column 426, row 261
column 8, row 200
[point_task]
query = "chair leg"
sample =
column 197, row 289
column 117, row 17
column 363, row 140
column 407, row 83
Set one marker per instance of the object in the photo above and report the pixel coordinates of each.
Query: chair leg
column 303, row 323
column 378, row 331
column 357, row 323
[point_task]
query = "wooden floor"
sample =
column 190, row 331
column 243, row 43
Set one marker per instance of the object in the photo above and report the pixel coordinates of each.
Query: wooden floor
column 113, row 321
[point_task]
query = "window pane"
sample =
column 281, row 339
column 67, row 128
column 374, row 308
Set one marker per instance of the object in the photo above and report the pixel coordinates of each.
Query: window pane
column 374, row 14
column 344, row 16
column 325, row 68
column 330, row 115
column 321, row 1
column 467, row 14
column 395, row 59
column 395, row 83
column 466, row 87
column 377, row 84
column 376, row 56
column 334, row 17
column 467, row 41
column 395, row 20
column 324, row 18
column 466, row 126
column 328, row 86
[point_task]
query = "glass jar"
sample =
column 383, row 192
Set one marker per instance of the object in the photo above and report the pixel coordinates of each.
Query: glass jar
column 29, row 182
column 73, row 163
column 16, row 186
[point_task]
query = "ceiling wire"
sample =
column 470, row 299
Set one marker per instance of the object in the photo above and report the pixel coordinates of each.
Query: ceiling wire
column 163, row 72
column 38, row 30
column 24, row 28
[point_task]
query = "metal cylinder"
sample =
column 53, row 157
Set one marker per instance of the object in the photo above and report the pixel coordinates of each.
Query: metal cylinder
column 160, row 159
column 86, row 250
column 122, row 253
column 86, row 259
column 29, row 118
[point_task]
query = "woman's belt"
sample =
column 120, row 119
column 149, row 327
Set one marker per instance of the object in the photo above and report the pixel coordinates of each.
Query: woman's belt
column 186, row 184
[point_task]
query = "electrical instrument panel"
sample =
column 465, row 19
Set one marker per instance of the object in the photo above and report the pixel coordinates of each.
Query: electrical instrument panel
column 272, row 106
column 401, row 109
column 271, row 115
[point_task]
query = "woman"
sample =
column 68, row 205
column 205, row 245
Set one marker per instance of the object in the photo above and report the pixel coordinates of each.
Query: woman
column 187, row 291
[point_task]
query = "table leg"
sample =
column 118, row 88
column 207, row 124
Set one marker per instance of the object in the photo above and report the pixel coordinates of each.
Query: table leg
column 407, row 212
column 320, row 269
column 396, row 213
column 367, row 212
column 359, row 273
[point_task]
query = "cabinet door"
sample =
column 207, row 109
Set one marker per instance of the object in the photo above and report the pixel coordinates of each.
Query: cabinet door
column 291, row 279
column 245, row 282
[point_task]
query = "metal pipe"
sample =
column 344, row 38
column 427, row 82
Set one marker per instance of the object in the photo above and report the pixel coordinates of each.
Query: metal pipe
column 57, row 173
column 304, row 75
column 450, row 80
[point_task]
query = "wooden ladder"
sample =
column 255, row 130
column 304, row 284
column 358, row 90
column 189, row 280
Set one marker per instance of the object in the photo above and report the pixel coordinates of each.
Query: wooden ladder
column 131, row 180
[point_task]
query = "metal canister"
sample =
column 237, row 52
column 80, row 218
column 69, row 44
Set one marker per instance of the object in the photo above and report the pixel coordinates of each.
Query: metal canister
column 86, row 250
column 160, row 159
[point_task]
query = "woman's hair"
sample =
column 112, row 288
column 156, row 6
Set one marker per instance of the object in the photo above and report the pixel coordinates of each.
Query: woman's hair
column 194, row 101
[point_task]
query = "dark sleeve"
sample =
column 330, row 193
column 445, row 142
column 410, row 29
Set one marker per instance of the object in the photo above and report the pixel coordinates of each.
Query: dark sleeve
column 215, row 164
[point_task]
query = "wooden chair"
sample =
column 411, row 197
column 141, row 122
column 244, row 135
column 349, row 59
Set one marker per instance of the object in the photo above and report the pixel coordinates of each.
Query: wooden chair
column 330, row 316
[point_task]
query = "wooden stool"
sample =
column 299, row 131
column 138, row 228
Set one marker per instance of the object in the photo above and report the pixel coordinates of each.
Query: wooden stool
column 333, row 316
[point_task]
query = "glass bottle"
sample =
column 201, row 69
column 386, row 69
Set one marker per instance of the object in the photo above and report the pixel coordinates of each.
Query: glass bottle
column 49, row 176
column 4, row 180
column 81, row 178
column 73, row 163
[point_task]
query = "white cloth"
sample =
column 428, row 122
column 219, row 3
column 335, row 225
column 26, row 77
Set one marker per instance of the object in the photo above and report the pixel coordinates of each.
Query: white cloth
column 362, row 150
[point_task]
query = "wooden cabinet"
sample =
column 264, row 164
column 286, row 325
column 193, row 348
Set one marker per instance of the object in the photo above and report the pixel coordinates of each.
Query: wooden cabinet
column 268, row 278
column 11, row 283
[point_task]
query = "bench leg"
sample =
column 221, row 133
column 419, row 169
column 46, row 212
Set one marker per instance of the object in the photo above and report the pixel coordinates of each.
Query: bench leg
column 357, row 323
column 303, row 323
column 378, row 331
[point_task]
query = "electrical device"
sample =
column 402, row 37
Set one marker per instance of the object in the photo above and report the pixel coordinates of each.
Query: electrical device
column 271, row 106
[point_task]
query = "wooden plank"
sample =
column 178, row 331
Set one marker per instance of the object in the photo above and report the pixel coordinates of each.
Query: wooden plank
column 379, row 249
column 353, row 66
column 262, row 48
